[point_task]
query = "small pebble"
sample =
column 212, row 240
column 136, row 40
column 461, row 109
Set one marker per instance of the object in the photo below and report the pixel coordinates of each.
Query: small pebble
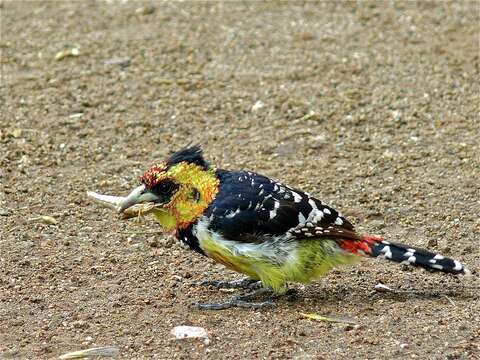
column 257, row 106
column 122, row 62
column 145, row 10
column 5, row 212
column 183, row 332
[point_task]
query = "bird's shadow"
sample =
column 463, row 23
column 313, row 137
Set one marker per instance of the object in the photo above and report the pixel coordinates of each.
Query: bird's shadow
column 345, row 293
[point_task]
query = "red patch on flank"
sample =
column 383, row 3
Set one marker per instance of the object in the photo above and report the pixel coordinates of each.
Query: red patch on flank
column 364, row 245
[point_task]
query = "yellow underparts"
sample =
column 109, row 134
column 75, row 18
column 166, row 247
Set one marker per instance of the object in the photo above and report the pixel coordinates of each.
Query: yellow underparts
column 166, row 220
column 311, row 259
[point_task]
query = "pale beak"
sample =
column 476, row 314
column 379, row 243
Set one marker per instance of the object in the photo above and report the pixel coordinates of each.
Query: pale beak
column 138, row 195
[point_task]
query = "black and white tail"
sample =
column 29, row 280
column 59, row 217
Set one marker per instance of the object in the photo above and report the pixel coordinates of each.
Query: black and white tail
column 410, row 255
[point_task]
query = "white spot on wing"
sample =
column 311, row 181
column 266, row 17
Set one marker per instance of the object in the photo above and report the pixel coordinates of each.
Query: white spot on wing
column 314, row 212
column 301, row 218
column 296, row 197
column 312, row 203
column 338, row 221
column 327, row 211
column 318, row 216
column 232, row 214
column 273, row 212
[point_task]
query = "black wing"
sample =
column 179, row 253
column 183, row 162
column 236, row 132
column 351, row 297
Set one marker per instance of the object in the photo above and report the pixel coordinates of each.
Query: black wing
column 251, row 207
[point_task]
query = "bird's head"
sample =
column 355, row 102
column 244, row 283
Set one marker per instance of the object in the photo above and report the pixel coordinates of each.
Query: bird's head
column 181, row 187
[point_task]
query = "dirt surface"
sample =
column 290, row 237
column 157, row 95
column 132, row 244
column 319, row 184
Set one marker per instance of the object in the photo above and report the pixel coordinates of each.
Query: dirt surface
column 374, row 108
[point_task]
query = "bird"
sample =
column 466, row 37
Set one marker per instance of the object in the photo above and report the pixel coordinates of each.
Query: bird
column 271, row 232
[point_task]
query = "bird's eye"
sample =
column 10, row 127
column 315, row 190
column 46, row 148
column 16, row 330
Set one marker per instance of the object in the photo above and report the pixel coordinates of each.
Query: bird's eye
column 164, row 187
column 165, row 190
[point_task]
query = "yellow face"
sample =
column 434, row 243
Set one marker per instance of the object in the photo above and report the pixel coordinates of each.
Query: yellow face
column 183, row 191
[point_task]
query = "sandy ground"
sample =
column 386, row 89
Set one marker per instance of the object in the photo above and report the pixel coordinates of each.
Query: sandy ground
column 374, row 108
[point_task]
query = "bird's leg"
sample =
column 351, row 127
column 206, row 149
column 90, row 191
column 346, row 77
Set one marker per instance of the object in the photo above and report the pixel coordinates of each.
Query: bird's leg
column 241, row 300
column 246, row 283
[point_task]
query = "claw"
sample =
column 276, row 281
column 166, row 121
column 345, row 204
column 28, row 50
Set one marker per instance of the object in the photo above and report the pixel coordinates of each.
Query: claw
column 240, row 301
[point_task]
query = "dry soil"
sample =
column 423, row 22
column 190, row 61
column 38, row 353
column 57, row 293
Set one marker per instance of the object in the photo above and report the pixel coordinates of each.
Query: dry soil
column 371, row 106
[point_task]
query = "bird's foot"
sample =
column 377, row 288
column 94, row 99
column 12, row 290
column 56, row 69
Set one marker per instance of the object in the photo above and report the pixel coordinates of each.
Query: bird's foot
column 241, row 300
column 246, row 283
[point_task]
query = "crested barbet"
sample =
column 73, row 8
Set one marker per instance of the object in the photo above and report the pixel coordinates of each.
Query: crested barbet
column 273, row 233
